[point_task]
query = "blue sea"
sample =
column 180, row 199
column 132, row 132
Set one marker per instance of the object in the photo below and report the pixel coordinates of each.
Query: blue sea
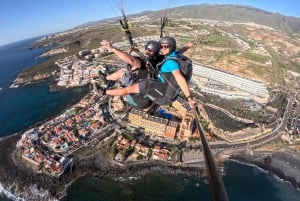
column 27, row 105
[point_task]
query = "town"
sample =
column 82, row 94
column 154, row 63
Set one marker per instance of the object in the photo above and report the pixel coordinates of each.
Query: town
column 157, row 134
column 48, row 146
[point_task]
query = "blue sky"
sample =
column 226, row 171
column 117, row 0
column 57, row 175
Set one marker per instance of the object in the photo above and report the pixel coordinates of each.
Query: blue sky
column 21, row 19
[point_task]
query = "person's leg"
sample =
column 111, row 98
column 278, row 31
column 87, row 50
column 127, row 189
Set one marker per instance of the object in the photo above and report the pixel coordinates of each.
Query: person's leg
column 108, row 83
column 132, row 89
column 116, row 75
column 128, row 78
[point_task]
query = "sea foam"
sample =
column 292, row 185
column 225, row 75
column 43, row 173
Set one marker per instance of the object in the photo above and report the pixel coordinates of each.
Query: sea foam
column 9, row 194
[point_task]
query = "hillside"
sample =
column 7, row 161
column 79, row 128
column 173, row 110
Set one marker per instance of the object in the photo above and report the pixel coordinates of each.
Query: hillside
column 235, row 13
column 232, row 13
column 237, row 39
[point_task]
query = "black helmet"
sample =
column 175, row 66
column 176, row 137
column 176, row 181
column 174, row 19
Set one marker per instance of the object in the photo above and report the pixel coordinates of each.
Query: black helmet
column 168, row 40
column 153, row 46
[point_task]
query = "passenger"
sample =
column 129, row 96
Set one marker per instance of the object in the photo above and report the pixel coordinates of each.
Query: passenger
column 170, row 77
column 138, row 71
column 161, row 91
column 138, row 66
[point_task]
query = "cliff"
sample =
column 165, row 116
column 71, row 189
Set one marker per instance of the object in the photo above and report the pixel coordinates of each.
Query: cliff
column 25, row 77
column 37, row 73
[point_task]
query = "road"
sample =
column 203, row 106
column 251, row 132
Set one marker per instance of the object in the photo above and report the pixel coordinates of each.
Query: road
column 116, row 122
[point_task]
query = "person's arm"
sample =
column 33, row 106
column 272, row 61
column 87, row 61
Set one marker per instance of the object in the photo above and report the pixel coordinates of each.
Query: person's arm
column 127, row 58
column 185, row 47
column 183, row 86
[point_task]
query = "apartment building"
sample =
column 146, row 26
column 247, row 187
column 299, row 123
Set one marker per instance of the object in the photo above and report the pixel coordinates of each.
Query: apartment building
column 165, row 128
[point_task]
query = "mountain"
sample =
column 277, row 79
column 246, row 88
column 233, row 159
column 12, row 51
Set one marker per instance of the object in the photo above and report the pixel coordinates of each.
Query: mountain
column 232, row 13
column 245, row 49
column 237, row 13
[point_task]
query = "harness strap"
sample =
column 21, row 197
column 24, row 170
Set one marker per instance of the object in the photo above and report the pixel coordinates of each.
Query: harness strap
column 161, row 74
column 163, row 21
column 157, row 70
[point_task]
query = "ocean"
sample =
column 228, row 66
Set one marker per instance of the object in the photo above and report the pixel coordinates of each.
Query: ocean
column 27, row 105
column 24, row 106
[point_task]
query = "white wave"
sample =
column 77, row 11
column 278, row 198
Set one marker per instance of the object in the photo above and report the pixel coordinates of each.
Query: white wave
column 18, row 195
column 277, row 178
column 13, row 85
column 251, row 165
column 38, row 193
column 126, row 179
column 10, row 195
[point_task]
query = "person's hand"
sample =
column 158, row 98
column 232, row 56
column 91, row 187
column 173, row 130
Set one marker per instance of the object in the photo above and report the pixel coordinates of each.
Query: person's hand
column 191, row 102
column 107, row 45
column 189, row 44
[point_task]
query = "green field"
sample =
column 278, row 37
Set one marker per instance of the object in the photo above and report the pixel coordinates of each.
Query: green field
column 216, row 40
column 255, row 57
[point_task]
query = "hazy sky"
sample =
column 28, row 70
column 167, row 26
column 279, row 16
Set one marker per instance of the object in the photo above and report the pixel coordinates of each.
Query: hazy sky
column 22, row 19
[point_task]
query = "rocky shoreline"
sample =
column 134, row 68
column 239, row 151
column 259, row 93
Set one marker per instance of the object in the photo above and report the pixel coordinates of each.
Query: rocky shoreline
column 20, row 180
column 283, row 164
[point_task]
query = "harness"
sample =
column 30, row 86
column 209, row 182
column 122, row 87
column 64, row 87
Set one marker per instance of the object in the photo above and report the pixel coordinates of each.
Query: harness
column 126, row 27
column 162, row 95
column 153, row 70
column 218, row 190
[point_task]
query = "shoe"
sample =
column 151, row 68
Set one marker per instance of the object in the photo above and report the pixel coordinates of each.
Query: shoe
column 110, row 84
column 100, row 90
column 102, row 75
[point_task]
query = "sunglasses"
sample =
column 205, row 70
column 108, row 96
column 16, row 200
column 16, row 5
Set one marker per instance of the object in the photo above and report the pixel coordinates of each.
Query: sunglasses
column 148, row 49
column 164, row 46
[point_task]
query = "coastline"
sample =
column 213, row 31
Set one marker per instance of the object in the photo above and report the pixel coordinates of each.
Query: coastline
column 17, row 178
column 57, row 187
column 283, row 164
